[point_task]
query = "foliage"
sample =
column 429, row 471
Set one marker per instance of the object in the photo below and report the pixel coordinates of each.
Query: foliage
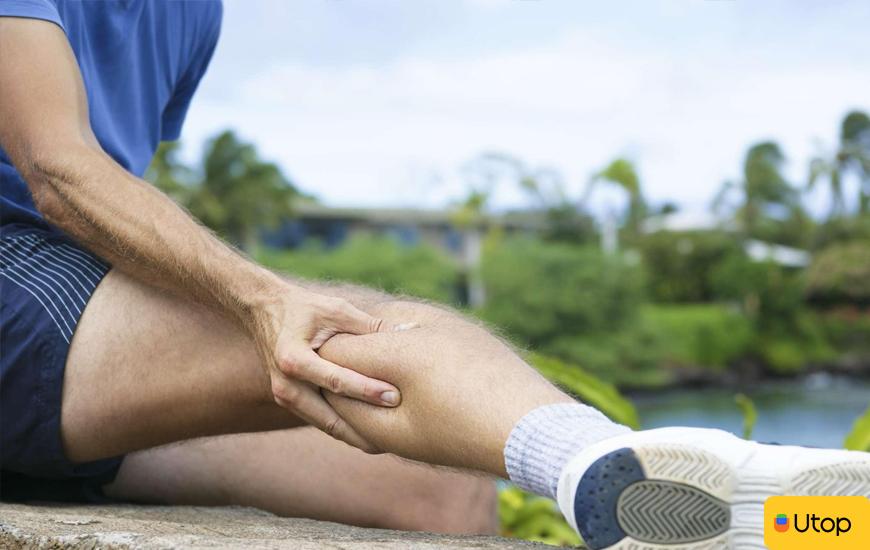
column 630, row 357
column 560, row 219
column 859, row 437
column 169, row 174
column 680, row 265
column 842, row 230
column 700, row 335
column 770, row 294
column 790, row 346
column 782, row 356
column 841, row 273
column 750, row 414
column 769, row 206
column 622, row 173
column 379, row 262
column 851, row 158
column 646, row 351
column 234, row 192
column 534, row 518
column 847, row 329
column 601, row 395
column 540, row 292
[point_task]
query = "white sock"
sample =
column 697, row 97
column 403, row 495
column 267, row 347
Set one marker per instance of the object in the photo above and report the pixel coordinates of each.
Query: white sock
column 546, row 438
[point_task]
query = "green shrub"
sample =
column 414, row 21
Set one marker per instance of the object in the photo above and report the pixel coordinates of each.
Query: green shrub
column 788, row 348
column 379, row 262
column 847, row 329
column 841, row 273
column 630, row 357
column 681, row 264
column 770, row 294
column 694, row 336
column 699, row 335
column 782, row 356
column 540, row 292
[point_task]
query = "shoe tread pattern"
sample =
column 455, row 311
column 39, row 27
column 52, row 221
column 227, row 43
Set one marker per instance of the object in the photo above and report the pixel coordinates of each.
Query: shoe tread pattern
column 689, row 465
column 845, row 478
column 661, row 512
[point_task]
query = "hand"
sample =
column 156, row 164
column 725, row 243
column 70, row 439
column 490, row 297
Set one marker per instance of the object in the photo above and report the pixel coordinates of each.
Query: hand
column 289, row 327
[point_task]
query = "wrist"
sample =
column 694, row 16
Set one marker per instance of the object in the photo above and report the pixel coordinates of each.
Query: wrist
column 260, row 290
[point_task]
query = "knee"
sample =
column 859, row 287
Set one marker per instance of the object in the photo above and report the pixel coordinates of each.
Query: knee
column 403, row 310
column 462, row 504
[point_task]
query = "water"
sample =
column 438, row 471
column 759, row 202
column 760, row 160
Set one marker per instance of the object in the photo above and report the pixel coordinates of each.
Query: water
column 818, row 410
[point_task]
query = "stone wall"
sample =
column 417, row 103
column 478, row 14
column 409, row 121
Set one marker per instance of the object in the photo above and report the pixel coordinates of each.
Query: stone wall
column 146, row 527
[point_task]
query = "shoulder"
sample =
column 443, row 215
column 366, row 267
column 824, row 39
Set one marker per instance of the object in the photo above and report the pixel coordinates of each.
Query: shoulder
column 204, row 17
column 208, row 13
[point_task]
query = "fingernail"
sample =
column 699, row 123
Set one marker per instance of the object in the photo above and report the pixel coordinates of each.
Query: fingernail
column 390, row 397
column 405, row 326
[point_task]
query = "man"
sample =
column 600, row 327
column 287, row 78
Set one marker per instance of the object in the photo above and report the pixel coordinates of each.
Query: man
column 183, row 338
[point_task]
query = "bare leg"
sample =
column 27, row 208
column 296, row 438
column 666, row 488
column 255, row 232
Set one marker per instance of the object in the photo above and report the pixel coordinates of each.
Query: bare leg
column 146, row 369
column 303, row 472
column 463, row 390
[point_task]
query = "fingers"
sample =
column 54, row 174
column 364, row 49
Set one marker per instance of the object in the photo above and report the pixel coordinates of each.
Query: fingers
column 310, row 367
column 306, row 402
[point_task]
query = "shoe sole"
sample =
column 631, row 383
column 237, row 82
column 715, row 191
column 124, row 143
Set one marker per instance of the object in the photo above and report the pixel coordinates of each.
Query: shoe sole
column 667, row 496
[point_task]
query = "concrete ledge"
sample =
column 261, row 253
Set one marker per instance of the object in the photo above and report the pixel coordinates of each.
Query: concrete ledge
column 55, row 526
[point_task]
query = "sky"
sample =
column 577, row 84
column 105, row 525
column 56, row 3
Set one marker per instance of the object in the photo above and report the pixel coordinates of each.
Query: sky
column 381, row 103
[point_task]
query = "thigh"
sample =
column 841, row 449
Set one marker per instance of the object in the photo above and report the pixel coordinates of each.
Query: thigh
column 304, row 473
column 146, row 368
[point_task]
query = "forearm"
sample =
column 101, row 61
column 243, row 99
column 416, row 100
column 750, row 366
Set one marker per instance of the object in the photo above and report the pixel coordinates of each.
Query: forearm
column 143, row 233
column 46, row 132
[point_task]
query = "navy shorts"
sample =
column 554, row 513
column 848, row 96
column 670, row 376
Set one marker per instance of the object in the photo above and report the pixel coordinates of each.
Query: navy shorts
column 46, row 280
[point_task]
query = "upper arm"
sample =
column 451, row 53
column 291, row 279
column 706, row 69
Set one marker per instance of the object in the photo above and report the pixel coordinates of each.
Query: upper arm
column 43, row 105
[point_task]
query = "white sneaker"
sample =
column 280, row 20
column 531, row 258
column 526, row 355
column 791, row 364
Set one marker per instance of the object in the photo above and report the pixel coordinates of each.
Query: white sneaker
column 693, row 488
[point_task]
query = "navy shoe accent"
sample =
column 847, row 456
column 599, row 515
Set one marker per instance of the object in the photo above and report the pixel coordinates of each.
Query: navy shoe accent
column 595, row 502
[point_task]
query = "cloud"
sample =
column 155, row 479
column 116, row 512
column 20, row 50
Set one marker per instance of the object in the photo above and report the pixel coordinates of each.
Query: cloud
column 396, row 133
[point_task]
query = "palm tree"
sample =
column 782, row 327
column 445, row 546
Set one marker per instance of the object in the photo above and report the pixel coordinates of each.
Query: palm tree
column 235, row 193
column 240, row 194
column 622, row 173
column 562, row 219
column 763, row 190
column 169, row 174
column 852, row 156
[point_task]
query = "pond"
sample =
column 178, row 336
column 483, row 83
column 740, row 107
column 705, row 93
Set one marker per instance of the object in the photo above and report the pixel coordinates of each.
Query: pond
column 818, row 410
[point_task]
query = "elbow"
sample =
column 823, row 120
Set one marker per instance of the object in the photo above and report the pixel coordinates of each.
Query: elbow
column 49, row 178
column 48, row 203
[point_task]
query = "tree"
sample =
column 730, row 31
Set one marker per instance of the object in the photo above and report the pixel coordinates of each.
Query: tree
column 234, row 192
column 767, row 202
column 169, row 174
column 851, row 157
column 563, row 220
column 622, row 173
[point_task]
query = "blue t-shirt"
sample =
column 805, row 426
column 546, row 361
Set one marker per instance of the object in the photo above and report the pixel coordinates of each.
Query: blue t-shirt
column 141, row 61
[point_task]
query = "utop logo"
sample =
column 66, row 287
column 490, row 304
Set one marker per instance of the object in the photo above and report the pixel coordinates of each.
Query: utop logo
column 795, row 523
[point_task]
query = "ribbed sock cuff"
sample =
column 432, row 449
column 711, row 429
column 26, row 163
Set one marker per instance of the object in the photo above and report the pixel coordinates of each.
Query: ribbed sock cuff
column 545, row 439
